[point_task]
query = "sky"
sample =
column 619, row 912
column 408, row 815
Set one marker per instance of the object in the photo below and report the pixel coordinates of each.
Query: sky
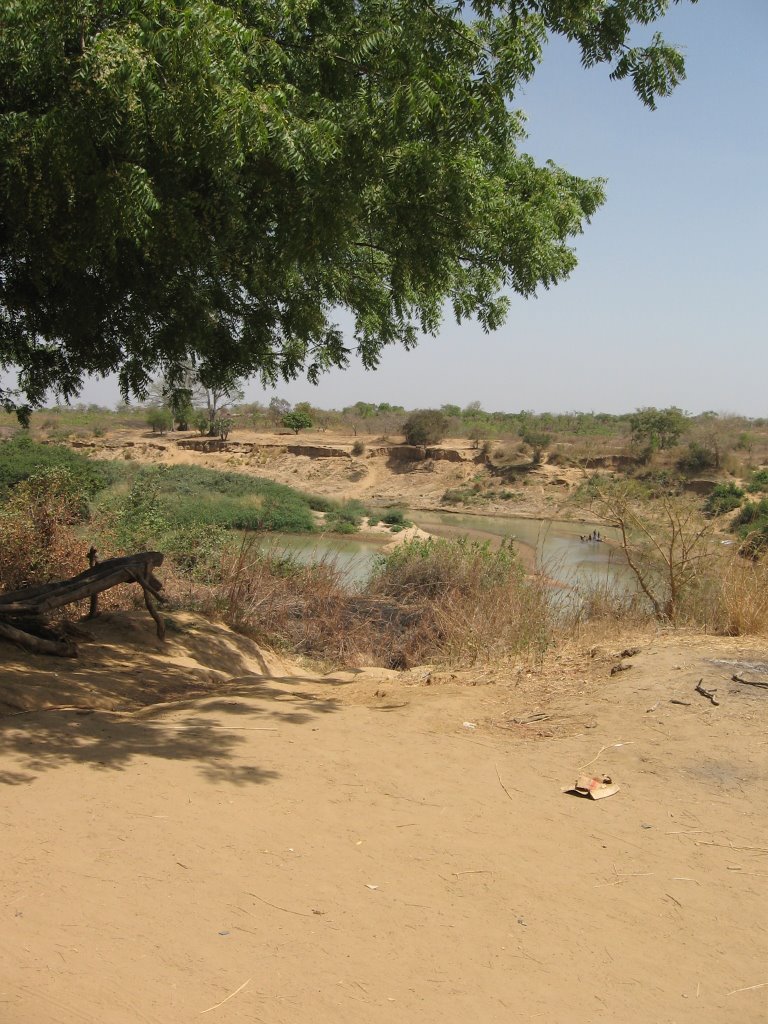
column 668, row 303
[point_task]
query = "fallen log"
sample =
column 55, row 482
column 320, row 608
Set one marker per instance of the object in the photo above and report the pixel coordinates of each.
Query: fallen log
column 36, row 644
column 41, row 599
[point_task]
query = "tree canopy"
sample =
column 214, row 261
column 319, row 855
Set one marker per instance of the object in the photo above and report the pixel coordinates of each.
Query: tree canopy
column 658, row 428
column 210, row 181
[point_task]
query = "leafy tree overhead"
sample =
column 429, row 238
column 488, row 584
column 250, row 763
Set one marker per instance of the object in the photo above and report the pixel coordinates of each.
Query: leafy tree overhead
column 205, row 181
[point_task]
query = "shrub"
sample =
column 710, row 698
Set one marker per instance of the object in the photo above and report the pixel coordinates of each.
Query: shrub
column 358, row 448
column 160, row 420
column 222, row 426
column 195, row 549
column 21, row 457
column 698, row 459
column 453, row 496
column 752, row 512
column 345, row 518
column 751, row 524
column 304, row 609
column 297, row 420
column 37, row 538
column 758, row 481
column 427, row 426
column 657, row 428
column 395, row 517
column 136, row 522
column 461, row 602
column 538, row 441
column 724, row 498
column 192, row 496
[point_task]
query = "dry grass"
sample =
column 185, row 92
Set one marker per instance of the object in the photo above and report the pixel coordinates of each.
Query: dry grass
column 469, row 604
column 305, row 609
column 438, row 602
column 732, row 597
column 728, row 597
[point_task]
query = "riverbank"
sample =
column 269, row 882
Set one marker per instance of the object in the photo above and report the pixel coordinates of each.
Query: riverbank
column 384, row 473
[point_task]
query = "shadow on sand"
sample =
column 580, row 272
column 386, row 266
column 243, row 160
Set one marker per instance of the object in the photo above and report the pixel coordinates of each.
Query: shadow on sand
column 216, row 733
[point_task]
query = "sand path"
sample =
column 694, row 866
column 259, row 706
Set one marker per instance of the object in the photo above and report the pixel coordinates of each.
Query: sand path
column 297, row 849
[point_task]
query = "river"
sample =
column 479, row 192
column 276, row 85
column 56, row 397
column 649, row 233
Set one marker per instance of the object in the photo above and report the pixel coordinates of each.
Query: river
column 554, row 546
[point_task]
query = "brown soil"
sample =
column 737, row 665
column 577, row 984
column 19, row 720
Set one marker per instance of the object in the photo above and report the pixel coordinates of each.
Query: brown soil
column 268, row 844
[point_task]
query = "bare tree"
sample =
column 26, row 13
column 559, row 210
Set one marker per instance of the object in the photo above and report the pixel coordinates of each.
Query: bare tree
column 187, row 392
column 665, row 540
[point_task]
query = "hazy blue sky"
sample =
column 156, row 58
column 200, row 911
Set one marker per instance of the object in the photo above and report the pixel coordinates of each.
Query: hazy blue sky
column 668, row 303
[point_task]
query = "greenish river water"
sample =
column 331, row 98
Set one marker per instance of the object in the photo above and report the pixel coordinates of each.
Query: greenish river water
column 558, row 549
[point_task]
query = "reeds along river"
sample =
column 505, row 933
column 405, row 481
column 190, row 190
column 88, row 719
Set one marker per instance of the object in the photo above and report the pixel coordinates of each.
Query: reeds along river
column 553, row 546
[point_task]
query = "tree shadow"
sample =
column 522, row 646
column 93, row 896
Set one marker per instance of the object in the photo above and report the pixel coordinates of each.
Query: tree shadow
column 194, row 698
column 405, row 459
column 217, row 736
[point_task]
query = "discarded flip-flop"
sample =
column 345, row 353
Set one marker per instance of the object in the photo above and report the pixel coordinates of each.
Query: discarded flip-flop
column 595, row 787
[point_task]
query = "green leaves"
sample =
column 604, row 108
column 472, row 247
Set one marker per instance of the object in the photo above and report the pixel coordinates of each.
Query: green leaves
column 205, row 182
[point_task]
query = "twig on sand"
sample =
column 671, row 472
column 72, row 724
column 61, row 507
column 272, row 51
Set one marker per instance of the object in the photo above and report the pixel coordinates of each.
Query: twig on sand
column 607, row 747
column 299, row 913
column 230, row 996
column 731, row 846
column 749, row 988
column 502, row 784
column 709, row 694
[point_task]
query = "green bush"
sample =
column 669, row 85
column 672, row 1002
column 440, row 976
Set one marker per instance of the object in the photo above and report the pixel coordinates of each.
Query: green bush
column 538, row 440
column 724, row 498
column 195, row 549
column 697, row 459
column 758, row 481
column 752, row 512
column 395, row 517
column 21, row 457
column 188, row 496
column 222, row 426
column 427, row 426
column 297, row 420
column 751, row 525
column 160, row 420
column 137, row 521
column 345, row 518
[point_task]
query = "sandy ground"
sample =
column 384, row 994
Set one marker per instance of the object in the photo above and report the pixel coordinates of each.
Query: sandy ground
column 269, row 845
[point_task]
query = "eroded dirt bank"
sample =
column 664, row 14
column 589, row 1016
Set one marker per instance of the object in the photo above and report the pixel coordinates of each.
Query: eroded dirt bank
column 386, row 472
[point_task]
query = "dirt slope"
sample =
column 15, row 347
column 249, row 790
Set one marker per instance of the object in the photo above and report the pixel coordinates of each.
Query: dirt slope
column 299, row 849
column 377, row 476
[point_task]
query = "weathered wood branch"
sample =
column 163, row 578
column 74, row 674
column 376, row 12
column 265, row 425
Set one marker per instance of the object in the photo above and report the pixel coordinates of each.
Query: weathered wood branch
column 36, row 644
column 48, row 596
column 43, row 598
